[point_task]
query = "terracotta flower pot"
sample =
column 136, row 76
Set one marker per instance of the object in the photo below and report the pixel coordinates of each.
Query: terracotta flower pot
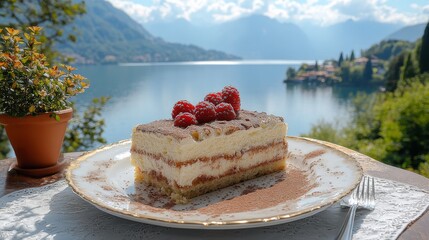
column 37, row 140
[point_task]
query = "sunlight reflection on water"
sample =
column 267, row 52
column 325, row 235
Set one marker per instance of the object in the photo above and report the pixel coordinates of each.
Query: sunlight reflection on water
column 144, row 93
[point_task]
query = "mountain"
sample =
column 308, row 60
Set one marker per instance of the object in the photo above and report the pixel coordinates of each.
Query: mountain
column 108, row 35
column 260, row 37
column 180, row 30
column 346, row 36
column 408, row 33
column 252, row 37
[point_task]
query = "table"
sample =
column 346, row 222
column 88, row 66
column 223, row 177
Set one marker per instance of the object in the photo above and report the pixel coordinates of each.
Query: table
column 11, row 181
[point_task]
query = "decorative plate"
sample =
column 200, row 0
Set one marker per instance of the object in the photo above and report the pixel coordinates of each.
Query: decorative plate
column 316, row 176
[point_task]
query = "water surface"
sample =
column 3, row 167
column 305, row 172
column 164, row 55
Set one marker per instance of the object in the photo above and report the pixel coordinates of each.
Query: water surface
column 141, row 93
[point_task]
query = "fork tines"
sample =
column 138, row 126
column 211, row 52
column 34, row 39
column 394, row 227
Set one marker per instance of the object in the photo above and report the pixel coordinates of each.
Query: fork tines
column 365, row 193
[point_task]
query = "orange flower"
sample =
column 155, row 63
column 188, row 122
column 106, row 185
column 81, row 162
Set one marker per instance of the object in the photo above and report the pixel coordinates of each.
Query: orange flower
column 70, row 68
column 18, row 64
column 53, row 72
column 79, row 77
column 70, row 83
column 12, row 31
column 35, row 29
column 17, row 38
column 84, row 84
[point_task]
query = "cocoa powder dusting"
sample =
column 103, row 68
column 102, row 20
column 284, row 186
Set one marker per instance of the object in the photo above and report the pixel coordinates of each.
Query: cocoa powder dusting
column 314, row 154
column 250, row 189
column 169, row 205
column 249, row 118
column 94, row 176
column 107, row 188
column 293, row 185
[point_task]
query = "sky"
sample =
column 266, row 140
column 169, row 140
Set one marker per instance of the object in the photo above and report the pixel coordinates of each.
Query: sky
column 318, row 12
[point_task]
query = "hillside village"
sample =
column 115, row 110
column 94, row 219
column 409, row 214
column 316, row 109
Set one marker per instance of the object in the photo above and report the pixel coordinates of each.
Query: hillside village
column 351, row 70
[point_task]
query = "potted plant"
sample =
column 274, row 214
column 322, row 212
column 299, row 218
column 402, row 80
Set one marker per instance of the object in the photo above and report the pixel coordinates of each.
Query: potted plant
column 34, row 101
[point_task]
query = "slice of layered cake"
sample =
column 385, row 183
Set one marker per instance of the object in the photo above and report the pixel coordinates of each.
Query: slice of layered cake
column 189, row 161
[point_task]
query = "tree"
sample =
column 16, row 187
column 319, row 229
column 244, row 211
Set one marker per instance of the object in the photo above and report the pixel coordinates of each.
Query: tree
column 424, row 51
column 87, row 129
column 356, row 75
column 405, row 127
column 352, row 56
column 367, row 71
column 341, row 59
column 393, row 72
column 303, row 67
column 345, row 73
column 52, row 15
column 316, row 66
column 326, row 131
column 388, row 49
column 290, row 73
column 407, row 70
column 392, row 126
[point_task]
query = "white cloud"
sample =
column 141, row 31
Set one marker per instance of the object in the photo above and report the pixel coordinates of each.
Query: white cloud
column 160, row 9
column 185, row 9
column 224, row 11
column 339, row 10
column 165, row 10
column 424, row 9
column 316, row 11
column 377, row 10
column 138, row 11
column 275, row 12
column 287, row 10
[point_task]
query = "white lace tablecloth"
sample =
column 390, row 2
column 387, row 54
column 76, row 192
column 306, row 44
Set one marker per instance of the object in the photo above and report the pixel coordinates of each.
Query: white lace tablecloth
column 55, row 212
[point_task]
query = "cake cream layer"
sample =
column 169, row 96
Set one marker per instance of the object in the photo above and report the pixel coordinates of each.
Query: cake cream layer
column 181, row 195
column 210, row 168
column 160, row 139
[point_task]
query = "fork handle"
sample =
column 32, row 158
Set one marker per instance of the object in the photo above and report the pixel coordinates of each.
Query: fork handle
column 346, row 232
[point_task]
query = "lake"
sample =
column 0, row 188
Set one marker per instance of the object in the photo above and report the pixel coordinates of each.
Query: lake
column 141, row 93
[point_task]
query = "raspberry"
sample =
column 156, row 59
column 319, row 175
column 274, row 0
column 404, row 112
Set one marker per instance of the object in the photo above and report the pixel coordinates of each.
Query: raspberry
column 232, row 96
column 224, row 111
column 185, row 119
column 182, row 106
column 214, row 98
column 205, row 112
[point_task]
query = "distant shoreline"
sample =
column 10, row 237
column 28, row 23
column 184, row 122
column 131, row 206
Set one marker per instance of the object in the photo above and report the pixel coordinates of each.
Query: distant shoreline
column 221, row 62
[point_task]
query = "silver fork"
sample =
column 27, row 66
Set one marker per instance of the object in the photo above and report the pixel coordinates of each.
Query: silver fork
column 362, row 197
